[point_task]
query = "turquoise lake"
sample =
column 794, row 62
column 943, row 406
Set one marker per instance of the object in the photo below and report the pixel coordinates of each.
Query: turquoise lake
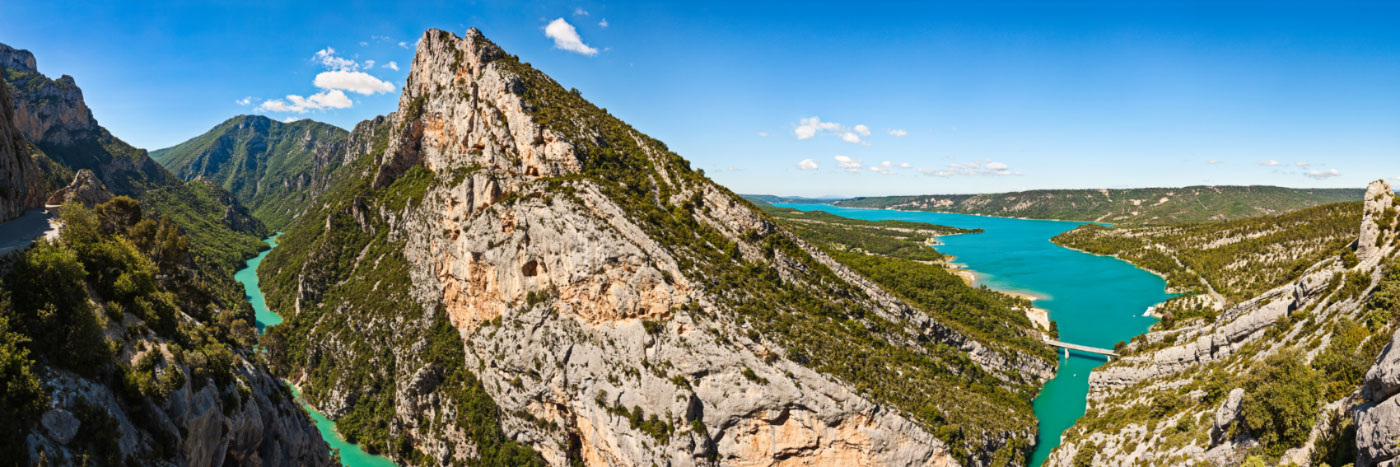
column 350, row 454
column 1095, row 300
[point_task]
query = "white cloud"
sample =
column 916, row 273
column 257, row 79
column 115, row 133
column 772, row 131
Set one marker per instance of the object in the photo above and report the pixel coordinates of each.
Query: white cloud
column 881, row 170
column 404, row 44
column 369, row 64
column 580, row 12
column 807, row 164
column 1301, row 164
column 850, row 165
column 1320, row 174
column 862, row 130
column 905, row 165
column 971, row 168
column 1270, row 163
column 603, row 23
column 850, row 137
column 887, row 164
column 245, row 100
column 566, row 38
column 392, row 65
column 763, row 134
column 356, row 81
column 331, row 99
column 898, row 133
column 326, row 57
column 810, row 126
column 1213, row 162
column 290, row 119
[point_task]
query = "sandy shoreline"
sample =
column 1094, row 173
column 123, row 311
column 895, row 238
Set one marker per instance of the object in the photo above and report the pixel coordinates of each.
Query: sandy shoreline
column 1039, row 316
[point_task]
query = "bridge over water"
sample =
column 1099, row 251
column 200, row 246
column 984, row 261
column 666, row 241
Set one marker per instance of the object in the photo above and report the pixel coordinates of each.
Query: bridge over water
column 1082, row 348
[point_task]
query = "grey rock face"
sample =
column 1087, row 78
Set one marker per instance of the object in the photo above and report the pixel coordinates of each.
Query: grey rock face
column 62, row 425
column 1379, row 199
column 86, row 188
column 1228, row 412
column 21, row 183
column 1378, row 422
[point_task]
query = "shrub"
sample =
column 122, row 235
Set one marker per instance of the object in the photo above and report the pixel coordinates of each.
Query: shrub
column 1282, row 401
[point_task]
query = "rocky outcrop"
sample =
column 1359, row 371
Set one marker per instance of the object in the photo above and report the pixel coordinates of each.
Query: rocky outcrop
column 1379, row 200
column 86, row 189
column 21, row 183
column 1378, row 420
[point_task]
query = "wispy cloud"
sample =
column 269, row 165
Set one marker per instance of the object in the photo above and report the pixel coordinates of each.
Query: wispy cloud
column 813, row 126
column 1319, row 174
column 898, row 133
column 332, row 99
column 580, row 12
column 807, row 164
column 971, row 168
column 763, row 134
column 567, row 38
column 603, row 23
column 1301, row 164
column 354, row 81
column 1270, row 163
column 245, row 100
column 392, row 65
column 1213, row 162
column 848, row 164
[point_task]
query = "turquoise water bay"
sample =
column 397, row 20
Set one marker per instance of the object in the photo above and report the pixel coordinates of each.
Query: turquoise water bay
column 350, row 454
column 1095, row 300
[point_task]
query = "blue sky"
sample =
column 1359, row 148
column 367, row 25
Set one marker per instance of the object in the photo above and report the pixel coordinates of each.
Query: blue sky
column 956, row 98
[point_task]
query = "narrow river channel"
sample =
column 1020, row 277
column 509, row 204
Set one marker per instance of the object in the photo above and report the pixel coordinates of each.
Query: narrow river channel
column 350, row 454
column 1095, row 300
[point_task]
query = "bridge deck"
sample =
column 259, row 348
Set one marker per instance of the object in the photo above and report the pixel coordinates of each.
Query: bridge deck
column 1082, row 348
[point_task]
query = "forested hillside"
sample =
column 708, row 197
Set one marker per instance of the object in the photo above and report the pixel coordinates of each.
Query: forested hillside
column 267, row 165
column 1132, row 206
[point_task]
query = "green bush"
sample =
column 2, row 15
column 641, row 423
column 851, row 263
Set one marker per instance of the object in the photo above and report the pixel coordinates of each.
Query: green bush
column 1281, row 402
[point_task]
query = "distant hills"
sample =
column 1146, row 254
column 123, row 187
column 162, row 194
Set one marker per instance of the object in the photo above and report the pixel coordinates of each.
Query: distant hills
column 1136, row 206
column 266, row 164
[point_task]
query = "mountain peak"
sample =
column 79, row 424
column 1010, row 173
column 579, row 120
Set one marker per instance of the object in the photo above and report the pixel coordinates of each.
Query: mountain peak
column 17, row 59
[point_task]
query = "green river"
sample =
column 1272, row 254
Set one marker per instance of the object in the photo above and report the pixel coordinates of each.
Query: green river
column 350, row 454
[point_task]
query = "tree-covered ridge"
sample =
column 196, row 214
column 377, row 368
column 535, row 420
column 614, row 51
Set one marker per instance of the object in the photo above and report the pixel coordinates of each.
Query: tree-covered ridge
column 1233, row 260
column 1134, row 206
column 898, row 256
column 117, row 302
column 267, row 165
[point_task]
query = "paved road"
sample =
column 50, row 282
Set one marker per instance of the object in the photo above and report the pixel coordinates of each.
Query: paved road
column 18, row 233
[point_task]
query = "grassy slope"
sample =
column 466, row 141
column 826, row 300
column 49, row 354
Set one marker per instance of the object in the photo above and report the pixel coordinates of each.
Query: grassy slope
column 1138, row 206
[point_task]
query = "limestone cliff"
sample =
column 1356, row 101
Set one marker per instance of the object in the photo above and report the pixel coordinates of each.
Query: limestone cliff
column 21, row 183
column 1185, row 395
column 617, row 306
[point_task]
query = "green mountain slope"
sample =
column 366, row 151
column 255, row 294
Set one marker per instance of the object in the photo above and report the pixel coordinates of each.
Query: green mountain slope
column 541, row 276
column 266, row 164
column 1134, row 206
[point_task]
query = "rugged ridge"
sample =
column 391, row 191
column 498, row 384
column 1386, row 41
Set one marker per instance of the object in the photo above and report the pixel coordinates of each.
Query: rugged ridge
column 1184, row 394
column 582, row 267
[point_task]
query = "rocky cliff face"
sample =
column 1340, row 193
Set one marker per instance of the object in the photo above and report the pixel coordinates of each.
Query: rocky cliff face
column 583, row 267
column 85, row 189
column 21, row 183
column 1181, row 396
